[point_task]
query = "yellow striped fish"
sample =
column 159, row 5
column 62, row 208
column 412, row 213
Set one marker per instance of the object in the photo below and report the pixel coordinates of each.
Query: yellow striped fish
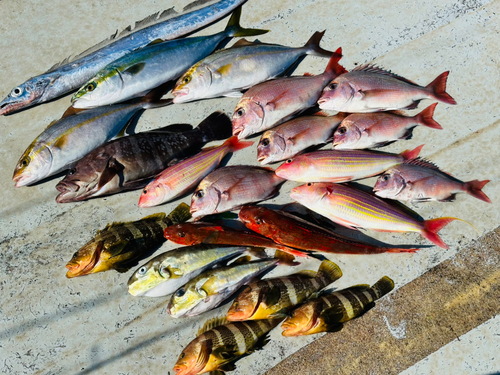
column 119, row 245
column 273, row 298
column 328, row 312
column 182, row 177
column 218, row 345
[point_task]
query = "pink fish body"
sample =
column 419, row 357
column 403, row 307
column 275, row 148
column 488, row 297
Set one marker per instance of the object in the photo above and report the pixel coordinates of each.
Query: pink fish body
column 182, row 177
column 230, row 187
column 273, row 102
column 293, row 137
column 370, row 89
column 367, row 130
column 340, row 166
column 420, row 180
column 356, row 209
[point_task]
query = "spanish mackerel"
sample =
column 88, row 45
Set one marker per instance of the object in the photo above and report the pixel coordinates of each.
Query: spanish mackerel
column 69, row 75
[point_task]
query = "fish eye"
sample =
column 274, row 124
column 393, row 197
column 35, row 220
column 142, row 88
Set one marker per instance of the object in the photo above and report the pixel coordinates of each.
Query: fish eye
column 181, row 234
column 265, row 142
column 145, row 191
column 186, row 79
column 16, row 91
column 289, row 161
column 239, row 112
column 91, row 86
column 142, row 270
column 199, row 194
column 342, row 130
column 71, row 171
column 332, row 86
column 180, row 292
column 182, row 355
column 385, row 177
column 75, row 255
column 309, row 184
column 258, row 222
column 25, row 161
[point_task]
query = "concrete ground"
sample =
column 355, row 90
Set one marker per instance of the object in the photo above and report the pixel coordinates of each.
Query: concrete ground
column 443, row 317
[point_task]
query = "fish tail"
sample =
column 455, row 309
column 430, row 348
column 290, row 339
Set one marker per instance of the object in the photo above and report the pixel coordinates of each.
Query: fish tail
column 411, row 154
column 425, row 117
column 313, row 48
column 329, row 272
column 285, row 259
column 382, row 287
column 216, row 127
column 474, row 188
column 438, row 89
column 334, row 69
column 234, row 144
column 234, row 28
column 432, row 227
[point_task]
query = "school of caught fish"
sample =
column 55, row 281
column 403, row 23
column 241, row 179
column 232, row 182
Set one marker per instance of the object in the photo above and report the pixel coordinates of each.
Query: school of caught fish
column 117, row 81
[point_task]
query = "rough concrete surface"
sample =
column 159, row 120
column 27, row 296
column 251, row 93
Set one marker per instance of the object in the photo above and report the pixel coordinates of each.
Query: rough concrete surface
column 53, row 325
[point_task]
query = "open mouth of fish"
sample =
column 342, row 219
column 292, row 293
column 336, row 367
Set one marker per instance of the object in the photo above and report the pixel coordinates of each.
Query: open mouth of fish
column 70, row 192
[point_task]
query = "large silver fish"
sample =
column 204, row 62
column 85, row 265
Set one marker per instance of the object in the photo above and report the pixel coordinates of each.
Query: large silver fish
column 128, row 163
column 69, row 75
column 146, row 68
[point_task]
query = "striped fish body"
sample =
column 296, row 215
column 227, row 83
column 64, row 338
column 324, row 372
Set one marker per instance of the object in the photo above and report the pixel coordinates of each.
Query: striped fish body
column 354, row 208
column 216, row 348
column 209, row 289
column 167, row 272
column 329, row 311
column 119, row 245
column 128, row 162
column 340, row 165
column 273, row 298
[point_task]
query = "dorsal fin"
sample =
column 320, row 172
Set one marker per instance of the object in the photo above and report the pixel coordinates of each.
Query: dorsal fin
column 421, row 162
column 212, row 323
column 377, row 70
column 113, row 224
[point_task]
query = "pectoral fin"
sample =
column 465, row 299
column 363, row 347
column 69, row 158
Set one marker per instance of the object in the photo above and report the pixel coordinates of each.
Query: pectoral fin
column 134, row 69
column 113, row 168
column 272, row 297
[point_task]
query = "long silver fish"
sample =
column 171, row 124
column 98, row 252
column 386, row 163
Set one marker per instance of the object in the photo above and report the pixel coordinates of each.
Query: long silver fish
column 68, row 139
column 146, row 68
column 69, row 75
column 128, row 163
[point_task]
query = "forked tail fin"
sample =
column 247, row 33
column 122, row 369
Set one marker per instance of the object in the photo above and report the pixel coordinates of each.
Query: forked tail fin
column 425, row 117
column 438, row 89
column 432, row 227
column 474, row 188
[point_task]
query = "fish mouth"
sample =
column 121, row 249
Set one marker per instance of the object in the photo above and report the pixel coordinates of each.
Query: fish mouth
column 322, row 101
column 69, row 192
column 74, row 269
column 178, row 94
column 262, row 159
column 21, row 179
column 7, row 108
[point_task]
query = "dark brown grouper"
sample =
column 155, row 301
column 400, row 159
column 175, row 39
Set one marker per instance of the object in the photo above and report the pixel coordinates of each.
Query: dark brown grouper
column 129, row 163
column 121, row 245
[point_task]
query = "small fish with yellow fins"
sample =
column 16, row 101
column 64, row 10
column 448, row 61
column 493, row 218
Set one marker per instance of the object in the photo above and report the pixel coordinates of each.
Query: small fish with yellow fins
column 119, row 245
column 273, row 298
column 328, row 312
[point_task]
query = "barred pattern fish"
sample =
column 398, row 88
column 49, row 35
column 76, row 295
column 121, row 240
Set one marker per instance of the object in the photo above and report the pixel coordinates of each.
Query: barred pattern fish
column 119, row 245
column 328, row 312
column 273, row 298
column 218, row 347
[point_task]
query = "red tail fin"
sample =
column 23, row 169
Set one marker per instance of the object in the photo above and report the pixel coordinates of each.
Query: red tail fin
column 432, row 227
column 438, row 89
column 334, row 69
column 425, row 117
column 234, row 144
column 474, row 189
column 411, row 154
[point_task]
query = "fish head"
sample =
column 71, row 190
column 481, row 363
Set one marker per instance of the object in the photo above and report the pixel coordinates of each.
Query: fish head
column 336, row 94
column 183, row 234
column 103, row 89
column 245, row 305
column 194, row 357
column 302, row 319
column 34, row 165
column 153, row 194
column 254, row 217
column 291, row 168
column 205, row 200
column 147, row 277
column 346, row 135
column 27, row 94
column 194, row 84
column 186, row 298
column 310, row 192
column 84, row 260
column 271, row 147
column 390, row 184
column 248, row 118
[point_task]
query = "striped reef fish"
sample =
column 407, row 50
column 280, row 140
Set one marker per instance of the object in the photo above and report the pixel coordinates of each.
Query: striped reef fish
column 120, row 245
column 273, row 298
column 182, row 177
column 71, row 74
column 167, row 272
column 354, row 208
column 128, row 163
column 219, row 344
column 341, row 165
column 328, row 312
column 212, row 287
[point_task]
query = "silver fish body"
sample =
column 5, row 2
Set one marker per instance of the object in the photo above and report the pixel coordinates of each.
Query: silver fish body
column 62, row 79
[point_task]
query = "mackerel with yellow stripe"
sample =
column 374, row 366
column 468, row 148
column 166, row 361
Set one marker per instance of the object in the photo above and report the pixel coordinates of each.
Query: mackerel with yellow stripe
column 273, row 298
column 328, row 312
column 341, row 165
column 219, row 344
